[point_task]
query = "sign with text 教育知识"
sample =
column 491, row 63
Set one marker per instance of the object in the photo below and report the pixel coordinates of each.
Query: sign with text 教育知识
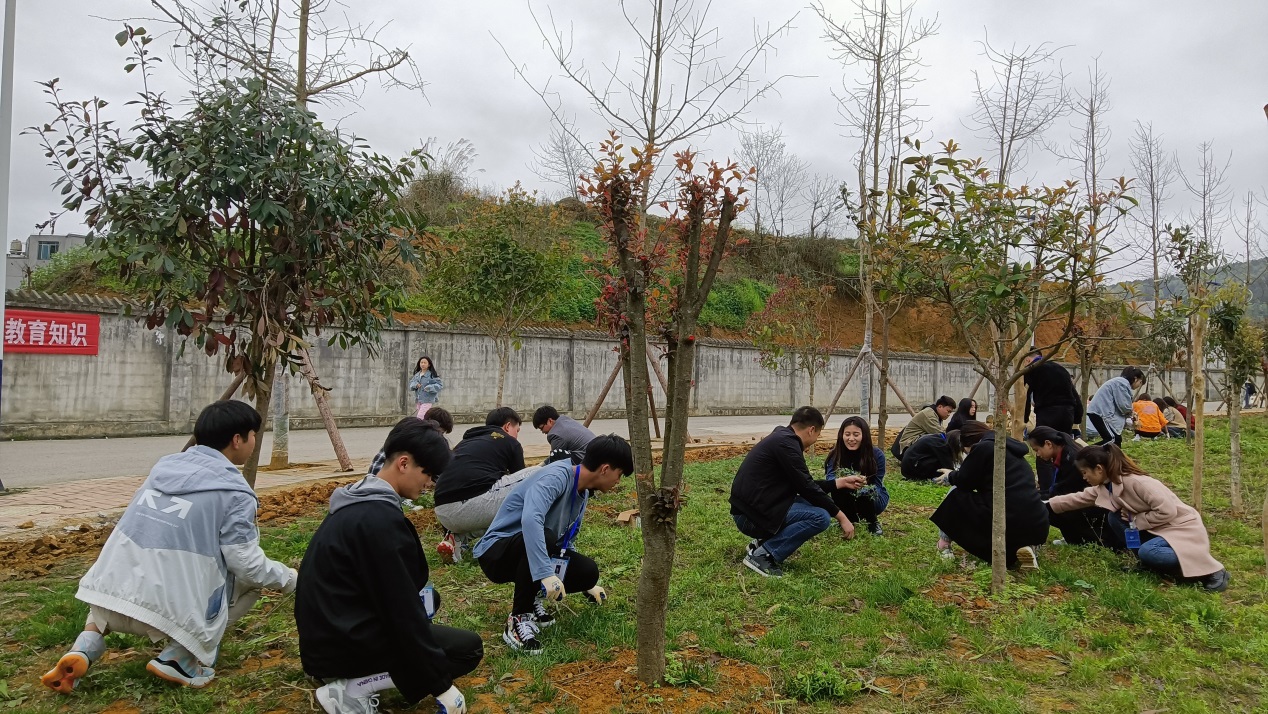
column 64, row 333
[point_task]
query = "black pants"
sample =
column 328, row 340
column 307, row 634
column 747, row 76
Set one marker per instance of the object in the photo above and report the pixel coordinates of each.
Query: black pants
column 463, row 648
column 856, row 507
column 1062, row 419
column 507, row 562
column 1107, row 435
column 1086, row 525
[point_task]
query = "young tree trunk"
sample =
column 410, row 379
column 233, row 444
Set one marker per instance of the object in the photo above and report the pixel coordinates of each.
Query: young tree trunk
column 1235, row 449
column 263, row 394
column 999, row 523
column 225, row 396
column 810, row 376
column 281, row 457
column 323, row 408
column 882, row 405
column 1085, row 388
column 1197, row 324
column 503, row 347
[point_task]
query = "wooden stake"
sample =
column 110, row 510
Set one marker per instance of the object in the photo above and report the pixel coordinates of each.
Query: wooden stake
column 323, row 408
column 890, row 381
column 607, row 387
column 848, row 376
column 660, row 377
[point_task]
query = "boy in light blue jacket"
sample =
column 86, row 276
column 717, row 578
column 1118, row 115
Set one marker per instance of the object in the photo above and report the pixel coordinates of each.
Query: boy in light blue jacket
column 530, row 541
column 1112, row 404
column 184, row 560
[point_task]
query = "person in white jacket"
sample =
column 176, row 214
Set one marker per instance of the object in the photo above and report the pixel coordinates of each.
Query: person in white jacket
column 184, row 560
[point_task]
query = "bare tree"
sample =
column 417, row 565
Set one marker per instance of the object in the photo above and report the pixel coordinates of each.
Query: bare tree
column 680, row 85
column 1248, row 235
column 880, row 39
column 824, row 198
column 561, row 160
column 1155, row 172
column 1024, row 95
column 761, row 149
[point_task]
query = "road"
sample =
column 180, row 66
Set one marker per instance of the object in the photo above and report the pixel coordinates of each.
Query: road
column 24, row 464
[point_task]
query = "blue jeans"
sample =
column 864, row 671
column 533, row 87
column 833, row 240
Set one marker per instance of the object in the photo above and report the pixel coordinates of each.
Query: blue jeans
column 1155, row 552
column 802, row 523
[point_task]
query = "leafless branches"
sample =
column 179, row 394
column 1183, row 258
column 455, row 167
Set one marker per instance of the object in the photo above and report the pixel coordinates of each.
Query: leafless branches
column 1155, row 172
column 1021, row 98
column 560, row 160
column 824, row 198
column 1208, row 187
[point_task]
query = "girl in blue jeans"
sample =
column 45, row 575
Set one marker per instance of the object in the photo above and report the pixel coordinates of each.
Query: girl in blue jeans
column 1165, row 533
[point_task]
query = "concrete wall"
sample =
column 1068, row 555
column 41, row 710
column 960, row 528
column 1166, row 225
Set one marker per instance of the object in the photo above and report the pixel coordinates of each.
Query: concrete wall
column 143, row 382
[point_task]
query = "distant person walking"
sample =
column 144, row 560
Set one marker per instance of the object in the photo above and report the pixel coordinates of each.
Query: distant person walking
column 426, row 385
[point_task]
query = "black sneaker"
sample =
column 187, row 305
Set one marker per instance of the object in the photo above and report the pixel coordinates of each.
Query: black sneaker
column 541, row 615
column 521, row 634
column 1216, row 582
column 874, row 527
column 762, row 564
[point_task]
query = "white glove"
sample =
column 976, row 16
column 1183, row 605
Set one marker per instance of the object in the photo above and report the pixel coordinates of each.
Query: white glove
column 943, row 477
column 289, row 587
column 554, row 588
column 451, row 701
column 597, row 595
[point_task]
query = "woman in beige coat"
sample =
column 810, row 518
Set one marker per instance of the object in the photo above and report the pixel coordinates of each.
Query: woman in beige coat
column 1172, row 538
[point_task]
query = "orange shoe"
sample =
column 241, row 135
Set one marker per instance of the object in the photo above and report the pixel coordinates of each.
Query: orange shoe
column 66, row 674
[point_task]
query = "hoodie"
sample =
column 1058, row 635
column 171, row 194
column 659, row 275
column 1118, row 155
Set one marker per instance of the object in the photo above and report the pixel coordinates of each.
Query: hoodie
column 1113, row 403
column 358, row 608
column 485, row 454
column 183, row 546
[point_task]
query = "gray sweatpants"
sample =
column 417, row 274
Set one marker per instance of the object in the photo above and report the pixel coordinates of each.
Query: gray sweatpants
column 470, row 518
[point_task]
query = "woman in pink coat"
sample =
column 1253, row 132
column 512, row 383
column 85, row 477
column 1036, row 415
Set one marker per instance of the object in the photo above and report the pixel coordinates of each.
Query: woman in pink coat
column 1167, row 535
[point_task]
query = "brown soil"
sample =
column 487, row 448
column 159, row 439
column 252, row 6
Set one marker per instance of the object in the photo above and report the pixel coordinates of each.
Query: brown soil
column 121, row 707
column 33, row 557
column 961, row 592
column 282, row 505
column 595, row 687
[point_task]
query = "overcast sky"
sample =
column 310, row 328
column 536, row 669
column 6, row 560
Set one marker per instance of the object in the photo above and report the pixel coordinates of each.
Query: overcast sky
column 1197, row 71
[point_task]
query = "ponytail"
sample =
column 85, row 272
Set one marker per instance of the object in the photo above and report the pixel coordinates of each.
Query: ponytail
column 1111, row 458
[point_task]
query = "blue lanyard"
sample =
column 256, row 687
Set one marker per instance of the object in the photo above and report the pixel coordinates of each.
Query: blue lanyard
column 572, row 501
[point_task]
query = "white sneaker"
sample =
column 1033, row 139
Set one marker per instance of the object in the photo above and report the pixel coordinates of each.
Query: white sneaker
column 185, row 674
column 334, row 699
column 1027, row 559
column 1059, row 542
column 1137, row 438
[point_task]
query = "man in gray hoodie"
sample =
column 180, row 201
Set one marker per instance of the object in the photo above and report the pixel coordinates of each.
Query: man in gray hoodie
column 184, row 560
column 530, row 541
column 568, row 437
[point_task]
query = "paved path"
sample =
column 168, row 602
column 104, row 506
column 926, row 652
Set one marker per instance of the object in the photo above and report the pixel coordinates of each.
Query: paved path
column 26, row 464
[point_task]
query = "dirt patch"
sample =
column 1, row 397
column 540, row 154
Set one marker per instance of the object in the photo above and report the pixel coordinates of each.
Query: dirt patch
column 34, row 557
column 906, row 688
column 268, row 660
column 613, row 685
column 277, row 507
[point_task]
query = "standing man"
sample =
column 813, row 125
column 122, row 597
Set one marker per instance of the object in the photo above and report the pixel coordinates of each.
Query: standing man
column 567, row 436
column 530, row 543
column 1050, row 390
column 776, row 502
column 487, row 464
column 363, row 608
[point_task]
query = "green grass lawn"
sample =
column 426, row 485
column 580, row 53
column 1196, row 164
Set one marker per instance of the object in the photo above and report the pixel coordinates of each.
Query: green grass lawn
column 875, row 624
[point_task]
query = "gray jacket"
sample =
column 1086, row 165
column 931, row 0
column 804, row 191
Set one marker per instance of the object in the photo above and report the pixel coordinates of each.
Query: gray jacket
column 1113, row 404
column 568, row 434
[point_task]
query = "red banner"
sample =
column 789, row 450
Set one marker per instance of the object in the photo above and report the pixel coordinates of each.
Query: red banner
column 62, row 333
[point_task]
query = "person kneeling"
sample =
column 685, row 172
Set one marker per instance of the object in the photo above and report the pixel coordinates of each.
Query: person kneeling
column 854, row 475
column 965, row 514
column 1165, row 533
column 1077, row 526
column 775, row 501
column 363, row 607
column 530, row 540
column 184, row 561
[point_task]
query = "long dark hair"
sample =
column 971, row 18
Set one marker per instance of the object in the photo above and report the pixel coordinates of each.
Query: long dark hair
column 972, row 432
column 1116, row 463
column 431, row 365
column 863, row 460
column 965, row 412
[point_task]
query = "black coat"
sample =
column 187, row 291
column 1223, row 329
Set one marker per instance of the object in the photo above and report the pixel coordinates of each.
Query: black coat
column 922, row 459
column 965, row 514
column 1068, row 478
column 357, row 604
column 485, row 454
column 1048, row 384
column 773, row 474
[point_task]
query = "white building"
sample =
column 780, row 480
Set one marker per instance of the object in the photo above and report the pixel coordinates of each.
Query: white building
column 22, row 259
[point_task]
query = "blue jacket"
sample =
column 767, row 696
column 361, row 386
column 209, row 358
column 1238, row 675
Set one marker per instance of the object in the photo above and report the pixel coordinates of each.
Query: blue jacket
column 877, row 480
column 425, row 386
column 1113, row 403
column 547, row 500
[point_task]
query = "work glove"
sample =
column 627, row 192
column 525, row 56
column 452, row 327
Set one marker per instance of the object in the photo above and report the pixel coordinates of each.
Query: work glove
column 451, row 701
column 943, row 478
column 289, row 587
column 554, row 588
column 597, row 595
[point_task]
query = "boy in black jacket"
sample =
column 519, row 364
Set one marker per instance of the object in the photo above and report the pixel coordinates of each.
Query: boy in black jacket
column 776, row 502
column 362, row 606
column 487, row 464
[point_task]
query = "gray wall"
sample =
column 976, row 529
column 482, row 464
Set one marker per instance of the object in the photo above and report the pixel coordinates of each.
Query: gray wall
column 142, row 382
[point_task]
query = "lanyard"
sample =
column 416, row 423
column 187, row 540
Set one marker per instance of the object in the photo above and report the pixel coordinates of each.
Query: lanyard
column 572, row 501
column 1056, row 468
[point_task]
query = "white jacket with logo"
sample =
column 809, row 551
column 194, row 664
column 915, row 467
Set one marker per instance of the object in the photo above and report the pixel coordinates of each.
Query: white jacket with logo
column 184, row 542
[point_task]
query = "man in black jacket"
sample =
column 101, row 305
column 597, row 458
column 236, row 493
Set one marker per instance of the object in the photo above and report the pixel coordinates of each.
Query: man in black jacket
column 487, row 464
column 363, row 606
column 1051, row 391
column 776, row 502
